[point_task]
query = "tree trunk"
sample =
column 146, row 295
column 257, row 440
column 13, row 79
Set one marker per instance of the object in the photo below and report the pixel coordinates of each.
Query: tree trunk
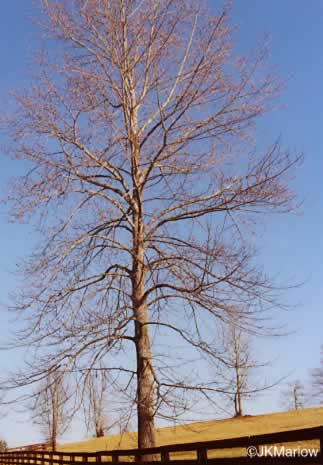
column 145, row 379
column 99, row 431
column 53, row 438
column 239, row 406
column 55, row 402
column 146, row 427
column 295, row 398
column 237, row 399
column 54, row 430
column 145, row 395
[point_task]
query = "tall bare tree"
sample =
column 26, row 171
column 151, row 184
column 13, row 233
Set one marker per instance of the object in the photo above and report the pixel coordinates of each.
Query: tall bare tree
column 49, row 409
column 138, row 130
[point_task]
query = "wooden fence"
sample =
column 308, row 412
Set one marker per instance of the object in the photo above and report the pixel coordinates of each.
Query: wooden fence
column 220, row 452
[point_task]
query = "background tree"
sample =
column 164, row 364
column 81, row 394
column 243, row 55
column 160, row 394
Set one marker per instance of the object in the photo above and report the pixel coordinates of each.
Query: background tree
column 294, row 398
column 50, row 410
column 3, row 445
column 317, row 382
column 138, row 129
column 95, row 408
column 238, row 367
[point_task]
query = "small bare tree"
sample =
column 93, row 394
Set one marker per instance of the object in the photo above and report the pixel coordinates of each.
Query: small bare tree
column 138, row 128
column 237, row 367
column 317, row 382
column 95, row 408
column 3, row 445
column 294, row 398
column 49, row 409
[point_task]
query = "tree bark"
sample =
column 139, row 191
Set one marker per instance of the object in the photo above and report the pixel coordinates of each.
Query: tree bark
column 145, row 395
column 54, row 435
column 237, row 404
column 54, row 418
column 146, row 427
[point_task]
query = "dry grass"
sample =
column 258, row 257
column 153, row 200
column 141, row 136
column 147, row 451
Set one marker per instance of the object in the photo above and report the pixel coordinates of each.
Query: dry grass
column 209, row 430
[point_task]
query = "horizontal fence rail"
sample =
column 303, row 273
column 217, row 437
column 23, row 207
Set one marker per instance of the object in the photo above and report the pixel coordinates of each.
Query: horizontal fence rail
column 197, row 453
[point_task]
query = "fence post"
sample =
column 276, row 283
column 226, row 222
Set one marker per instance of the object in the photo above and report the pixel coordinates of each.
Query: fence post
column 164, row 456
column 201, row 456
column 51, row 457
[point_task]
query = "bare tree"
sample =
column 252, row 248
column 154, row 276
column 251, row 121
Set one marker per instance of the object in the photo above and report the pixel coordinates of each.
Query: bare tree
column 99, row 418
column 50, row 408
column 293, row 398
column 144, row 178
column 95, row 408
column 238, row 367
column 317, row 382
column 3, row 445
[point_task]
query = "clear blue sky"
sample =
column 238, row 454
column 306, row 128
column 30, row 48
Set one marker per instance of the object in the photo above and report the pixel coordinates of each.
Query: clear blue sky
column 290, row 246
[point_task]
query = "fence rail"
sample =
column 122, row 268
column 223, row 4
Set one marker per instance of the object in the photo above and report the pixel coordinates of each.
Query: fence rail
column 197, row 453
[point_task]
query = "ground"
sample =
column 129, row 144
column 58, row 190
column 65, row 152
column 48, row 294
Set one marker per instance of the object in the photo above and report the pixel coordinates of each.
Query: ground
column 209, row 430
